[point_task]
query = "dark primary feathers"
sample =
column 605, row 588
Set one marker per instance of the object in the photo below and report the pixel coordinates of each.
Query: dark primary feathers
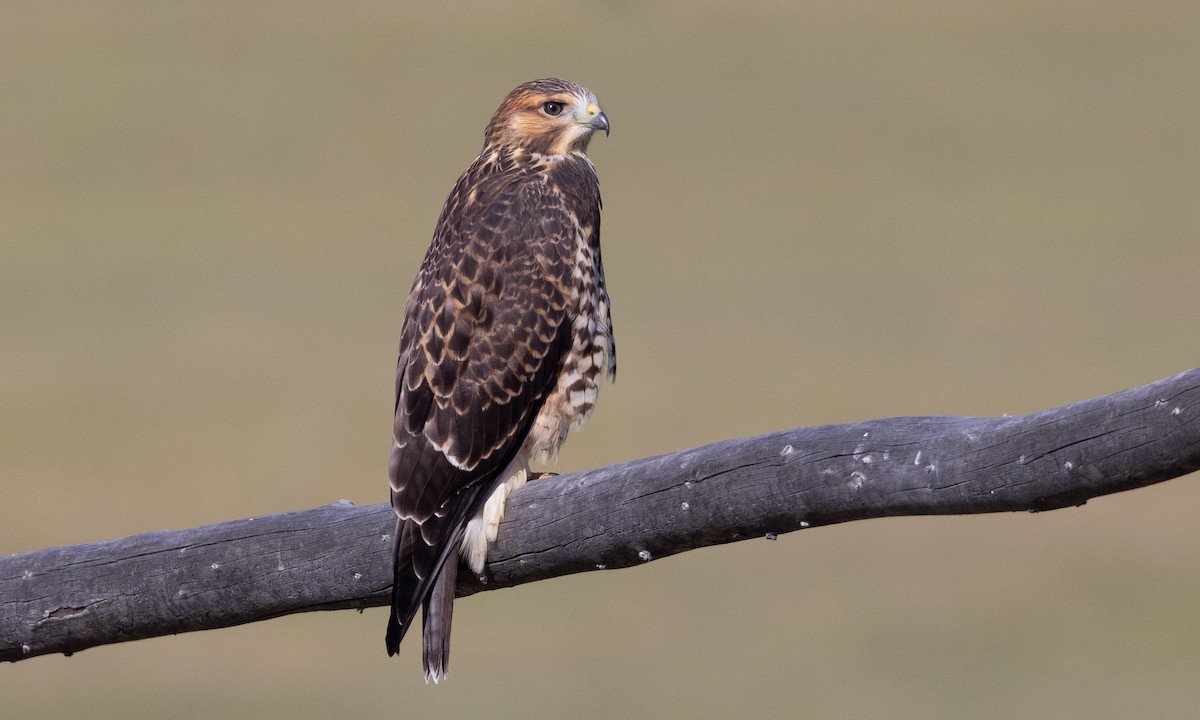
column 503, row 300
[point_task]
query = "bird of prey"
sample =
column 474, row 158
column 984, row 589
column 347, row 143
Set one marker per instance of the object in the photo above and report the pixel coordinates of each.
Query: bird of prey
column 506, row 333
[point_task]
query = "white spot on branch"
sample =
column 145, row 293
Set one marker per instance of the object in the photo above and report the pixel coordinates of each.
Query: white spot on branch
column 644, row 555
column 804, row 524
column 787, row 450
column 917, row 459
column 771, row 536
column 63, row 613
column 856, row 480
column 685, row 506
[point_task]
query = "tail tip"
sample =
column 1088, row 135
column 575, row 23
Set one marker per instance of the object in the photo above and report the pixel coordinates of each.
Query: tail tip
column 395, row 633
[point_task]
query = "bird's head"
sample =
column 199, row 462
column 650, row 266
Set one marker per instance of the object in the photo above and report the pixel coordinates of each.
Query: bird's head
column 552, row 117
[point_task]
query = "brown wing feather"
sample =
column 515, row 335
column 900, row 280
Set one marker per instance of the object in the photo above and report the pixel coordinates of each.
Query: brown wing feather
column 487, row 326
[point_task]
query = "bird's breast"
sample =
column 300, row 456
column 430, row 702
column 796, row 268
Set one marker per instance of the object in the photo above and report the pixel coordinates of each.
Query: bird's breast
column 574, row 395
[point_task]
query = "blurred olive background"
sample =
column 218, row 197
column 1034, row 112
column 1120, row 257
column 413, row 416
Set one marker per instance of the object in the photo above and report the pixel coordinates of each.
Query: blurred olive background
column 210, row 215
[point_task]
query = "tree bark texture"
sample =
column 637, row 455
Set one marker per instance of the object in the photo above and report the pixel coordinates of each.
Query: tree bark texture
column 66, row 599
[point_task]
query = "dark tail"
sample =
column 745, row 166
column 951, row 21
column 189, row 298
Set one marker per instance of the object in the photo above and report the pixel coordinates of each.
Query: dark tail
column 413, row 560
column 435, row 624
column 424, row 570
column 404, row 606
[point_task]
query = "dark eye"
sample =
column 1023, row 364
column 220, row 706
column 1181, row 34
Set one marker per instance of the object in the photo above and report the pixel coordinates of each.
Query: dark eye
column 552, row 108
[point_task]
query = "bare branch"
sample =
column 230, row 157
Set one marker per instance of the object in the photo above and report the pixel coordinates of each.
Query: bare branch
column 62, row 600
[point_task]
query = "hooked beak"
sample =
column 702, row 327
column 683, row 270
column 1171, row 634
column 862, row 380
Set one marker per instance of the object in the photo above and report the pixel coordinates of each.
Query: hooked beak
column 600, row 122
column 595, row 119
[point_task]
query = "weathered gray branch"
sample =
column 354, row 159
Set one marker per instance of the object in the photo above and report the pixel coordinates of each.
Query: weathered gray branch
column 62, row 600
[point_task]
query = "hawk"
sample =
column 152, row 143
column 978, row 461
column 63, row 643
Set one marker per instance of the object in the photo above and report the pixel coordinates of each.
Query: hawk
column 506, row 333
